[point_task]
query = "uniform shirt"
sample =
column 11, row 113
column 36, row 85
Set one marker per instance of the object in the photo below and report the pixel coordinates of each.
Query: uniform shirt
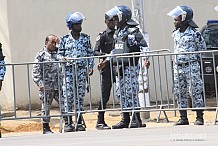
column 188, row 41
column 50, row 75
column 104, row 43
column 2, row 70
column 2, row 62
column 71, row 48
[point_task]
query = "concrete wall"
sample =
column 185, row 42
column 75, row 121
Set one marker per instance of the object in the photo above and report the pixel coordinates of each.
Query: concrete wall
column 25, row 23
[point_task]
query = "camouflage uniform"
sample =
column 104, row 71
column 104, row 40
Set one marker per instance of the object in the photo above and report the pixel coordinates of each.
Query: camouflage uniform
column 187, row 77
column 49, row 75
column 2, row 70
column 127, row 85
column 74, row 85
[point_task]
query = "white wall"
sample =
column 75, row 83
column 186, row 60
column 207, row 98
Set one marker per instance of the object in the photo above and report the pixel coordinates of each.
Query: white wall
column 25, row 23
column 160, row 26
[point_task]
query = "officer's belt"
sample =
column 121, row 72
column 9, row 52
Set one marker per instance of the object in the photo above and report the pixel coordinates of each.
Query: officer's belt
column 77, row 66
column 185, row 64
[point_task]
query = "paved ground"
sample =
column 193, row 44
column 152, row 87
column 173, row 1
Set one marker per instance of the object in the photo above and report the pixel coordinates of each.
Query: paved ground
column 177, row 135
column 34, row 126
column 28, row 132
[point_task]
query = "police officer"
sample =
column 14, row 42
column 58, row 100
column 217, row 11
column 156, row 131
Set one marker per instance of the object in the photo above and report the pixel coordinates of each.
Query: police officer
column 186, row 66
column 75, row 45
column 46, row 76
column 2, row 72
column 104, row 45
column 2, row 68
column 128, row 39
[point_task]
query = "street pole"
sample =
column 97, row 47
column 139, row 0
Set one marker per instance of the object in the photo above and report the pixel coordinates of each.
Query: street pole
column 138, row 16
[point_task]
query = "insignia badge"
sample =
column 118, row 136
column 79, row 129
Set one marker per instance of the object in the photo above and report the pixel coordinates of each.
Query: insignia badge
column 98, row 38
column 118, row 46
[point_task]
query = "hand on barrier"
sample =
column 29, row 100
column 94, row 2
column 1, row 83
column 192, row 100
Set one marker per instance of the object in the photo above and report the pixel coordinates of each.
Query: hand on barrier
column 147, row 63
column 64, row 59
column 41, row 88
column 90, row 72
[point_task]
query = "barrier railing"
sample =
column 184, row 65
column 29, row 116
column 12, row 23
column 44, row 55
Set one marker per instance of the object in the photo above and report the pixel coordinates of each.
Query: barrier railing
column 159, row 79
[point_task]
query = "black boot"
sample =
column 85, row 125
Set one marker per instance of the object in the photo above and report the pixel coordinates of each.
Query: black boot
column 68, row 127
column 80, row 126
column 199, row 118
column 136, row 121
column 183, row 118
column 124, row 123
column 46, row 129
column 101, row 125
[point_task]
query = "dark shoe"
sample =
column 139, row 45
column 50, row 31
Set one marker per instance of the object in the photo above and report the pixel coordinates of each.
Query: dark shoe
column 136, row 121
column 120, row 125
column 182, row 122
column 199, row 118
column 102, row 126
column 183, row 118
column 46, row 129
column 80, row 127
column 69, row 128
column 199, row 121
column 124, row 123
column 134, row 124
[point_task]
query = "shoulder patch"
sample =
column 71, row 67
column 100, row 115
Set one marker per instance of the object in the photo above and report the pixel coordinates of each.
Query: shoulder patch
column 100, row 33
column 98, row 38
column 133, row 29
column 194, row 29
column 85, row 35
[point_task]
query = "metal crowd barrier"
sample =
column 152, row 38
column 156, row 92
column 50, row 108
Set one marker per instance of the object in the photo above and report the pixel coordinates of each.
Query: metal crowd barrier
column 159, row 80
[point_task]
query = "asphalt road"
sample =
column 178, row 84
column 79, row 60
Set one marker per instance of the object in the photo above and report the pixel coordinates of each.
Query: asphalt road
column 177, row 135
